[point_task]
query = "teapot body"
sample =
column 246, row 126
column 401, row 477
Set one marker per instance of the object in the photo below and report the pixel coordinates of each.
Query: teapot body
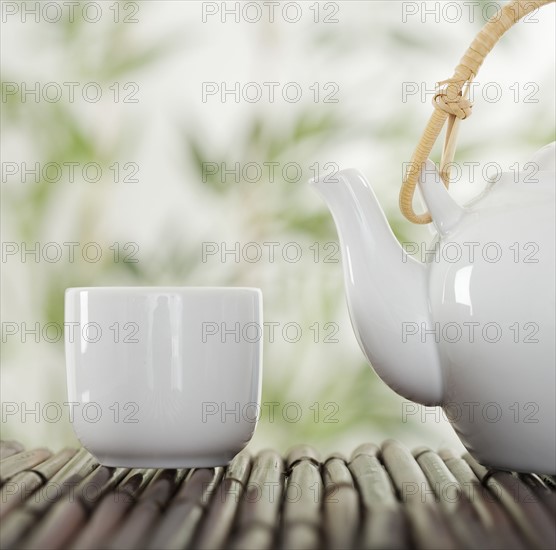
column 470, row 327
column 491, row 284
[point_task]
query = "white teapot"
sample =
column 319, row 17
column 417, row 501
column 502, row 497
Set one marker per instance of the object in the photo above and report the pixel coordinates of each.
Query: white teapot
column 473, row 327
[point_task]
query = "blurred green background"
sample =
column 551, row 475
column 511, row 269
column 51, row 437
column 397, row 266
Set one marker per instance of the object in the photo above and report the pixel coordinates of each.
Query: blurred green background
column 373, row 64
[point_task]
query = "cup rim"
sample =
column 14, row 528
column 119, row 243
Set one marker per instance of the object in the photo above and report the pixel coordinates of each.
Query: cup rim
column 162, row 289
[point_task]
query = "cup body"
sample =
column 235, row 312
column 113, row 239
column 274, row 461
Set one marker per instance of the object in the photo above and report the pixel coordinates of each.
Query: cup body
column 164, row 377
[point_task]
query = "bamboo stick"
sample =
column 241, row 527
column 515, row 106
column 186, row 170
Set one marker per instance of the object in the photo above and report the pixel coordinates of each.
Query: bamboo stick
column 112, row 509
column 185, row 513
column 142, row 519
column 428, row 527
column 9, row 448
column 501, row 531
column 24, row 484
column 217, row 527
column 341, row 513
column 520, row 503
column 454, row 502
column 257, row 520
column 303, row 500
column 20, row 521
column 19, row 462
column 68, row 515
column 384, row 524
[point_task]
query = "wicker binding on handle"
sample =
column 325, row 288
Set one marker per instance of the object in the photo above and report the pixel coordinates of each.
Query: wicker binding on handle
column 451, row 102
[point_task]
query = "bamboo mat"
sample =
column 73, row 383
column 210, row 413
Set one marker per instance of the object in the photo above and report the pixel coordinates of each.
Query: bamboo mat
column 380, row 497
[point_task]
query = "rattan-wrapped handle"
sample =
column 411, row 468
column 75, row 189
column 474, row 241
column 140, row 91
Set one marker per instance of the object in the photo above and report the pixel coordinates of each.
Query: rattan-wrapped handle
column 451, row 102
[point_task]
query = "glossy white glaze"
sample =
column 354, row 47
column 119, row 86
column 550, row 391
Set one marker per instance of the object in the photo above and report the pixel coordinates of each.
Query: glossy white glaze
column 170, row 387
column 473, row 327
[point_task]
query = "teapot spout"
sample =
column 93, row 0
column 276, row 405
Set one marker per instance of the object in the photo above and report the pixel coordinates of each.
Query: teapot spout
column 387, row 291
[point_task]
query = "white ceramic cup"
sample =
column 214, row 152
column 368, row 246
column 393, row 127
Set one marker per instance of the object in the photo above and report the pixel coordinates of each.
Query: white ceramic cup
column 164, row 377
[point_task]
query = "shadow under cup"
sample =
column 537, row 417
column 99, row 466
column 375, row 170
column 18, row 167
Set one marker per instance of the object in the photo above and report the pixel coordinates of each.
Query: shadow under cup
column 164, row 377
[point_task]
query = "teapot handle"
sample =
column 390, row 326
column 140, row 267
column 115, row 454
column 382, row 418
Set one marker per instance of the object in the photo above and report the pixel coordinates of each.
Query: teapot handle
column 451, row 103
